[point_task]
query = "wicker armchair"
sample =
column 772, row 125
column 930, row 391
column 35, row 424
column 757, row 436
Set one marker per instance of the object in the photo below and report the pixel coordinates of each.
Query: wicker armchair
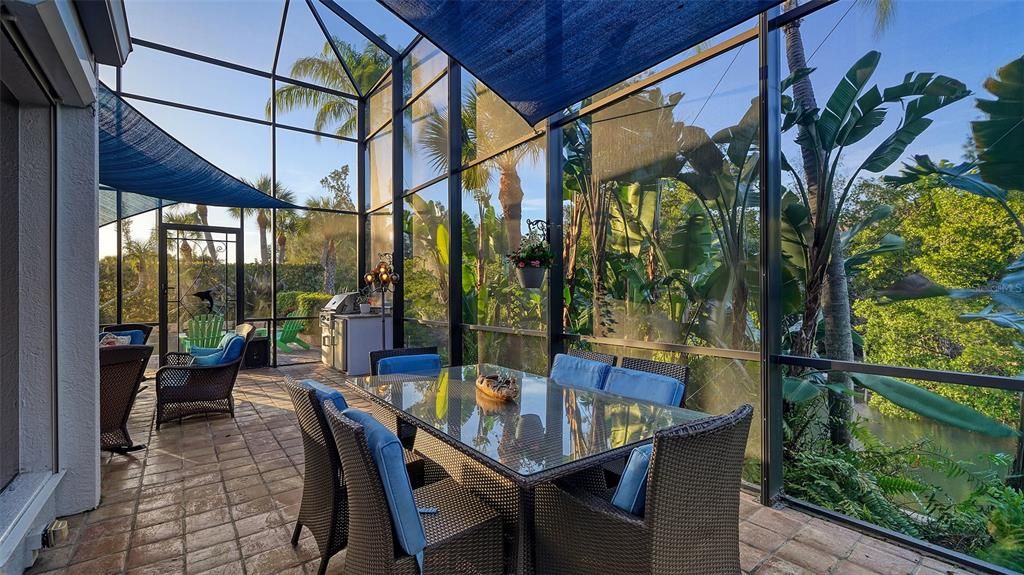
column 593, row 356
column 121, row 371
column 463, row 537
column 376, row 356
column 673, row 370
column 145, row 329
column 183, row 389
column 691, row 522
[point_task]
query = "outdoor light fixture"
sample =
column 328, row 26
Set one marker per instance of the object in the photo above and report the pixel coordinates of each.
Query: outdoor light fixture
column 382, row 278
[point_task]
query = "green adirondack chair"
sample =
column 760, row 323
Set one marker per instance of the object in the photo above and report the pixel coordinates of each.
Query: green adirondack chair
column 203, row 330
column 288, row 333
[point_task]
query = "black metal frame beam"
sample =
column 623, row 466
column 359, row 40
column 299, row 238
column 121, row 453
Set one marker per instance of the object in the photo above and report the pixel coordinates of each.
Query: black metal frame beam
column 397, row 204
column 555, row 217
column 454, row 214
column 770, row 145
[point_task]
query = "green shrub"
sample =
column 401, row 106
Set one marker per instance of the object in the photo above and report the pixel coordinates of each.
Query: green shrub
column 287, row 302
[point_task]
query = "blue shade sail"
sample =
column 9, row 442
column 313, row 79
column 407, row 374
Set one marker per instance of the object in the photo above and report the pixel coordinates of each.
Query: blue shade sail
column 136, row 156
column 542, row 56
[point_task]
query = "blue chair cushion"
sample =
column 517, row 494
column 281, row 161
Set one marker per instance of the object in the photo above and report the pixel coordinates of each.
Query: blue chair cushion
column 427, row 363
column 631, row 493
column 645, row 386
column 389, row 455
column 138, row 337
column 230, row 353
column 578, row 372
column 326, row 393
column 224, row 341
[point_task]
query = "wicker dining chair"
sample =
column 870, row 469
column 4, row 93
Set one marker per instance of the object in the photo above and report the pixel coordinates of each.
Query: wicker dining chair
column 673, row 370
column 145, row 329
column 121, row 371
column 691, row 521
column 376, row 356
column 463, row 535
column 593, row 356
column 183, row 389
column 324, row 507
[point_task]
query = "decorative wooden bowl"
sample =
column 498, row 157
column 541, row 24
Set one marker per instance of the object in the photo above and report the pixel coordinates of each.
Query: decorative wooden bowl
column 497, row 388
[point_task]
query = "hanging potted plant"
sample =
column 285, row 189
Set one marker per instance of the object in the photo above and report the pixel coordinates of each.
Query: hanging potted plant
column 533, row 258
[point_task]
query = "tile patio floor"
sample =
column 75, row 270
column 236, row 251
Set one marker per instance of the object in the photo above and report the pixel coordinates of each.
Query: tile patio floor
column 219, row 496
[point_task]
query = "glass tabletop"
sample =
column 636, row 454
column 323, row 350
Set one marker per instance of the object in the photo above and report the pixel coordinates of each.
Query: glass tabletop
column 546, row 426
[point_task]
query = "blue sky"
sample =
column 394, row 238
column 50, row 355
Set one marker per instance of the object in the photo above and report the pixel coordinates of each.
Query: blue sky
column 965, row 40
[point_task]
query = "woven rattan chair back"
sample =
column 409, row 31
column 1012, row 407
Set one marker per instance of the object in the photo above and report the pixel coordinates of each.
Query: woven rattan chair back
column 145, row 329
column 371, row 543
column 121, row 370
column 593, row 356
column 673, row 370
column 693, row 493
column 376, row 356
column 324, row 507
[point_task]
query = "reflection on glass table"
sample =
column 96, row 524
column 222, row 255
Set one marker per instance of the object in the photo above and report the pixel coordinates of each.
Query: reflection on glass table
column 546, row 430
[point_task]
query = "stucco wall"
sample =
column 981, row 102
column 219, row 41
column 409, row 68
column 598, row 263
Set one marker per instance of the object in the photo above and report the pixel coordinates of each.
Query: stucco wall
column 77, row 318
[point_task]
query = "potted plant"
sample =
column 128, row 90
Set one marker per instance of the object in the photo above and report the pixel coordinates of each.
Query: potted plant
column 533, row 258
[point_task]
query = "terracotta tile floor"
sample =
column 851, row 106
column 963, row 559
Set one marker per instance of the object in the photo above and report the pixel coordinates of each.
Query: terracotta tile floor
column 219, row 496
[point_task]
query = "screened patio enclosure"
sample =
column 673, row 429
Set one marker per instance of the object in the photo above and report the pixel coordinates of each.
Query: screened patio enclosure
column 817, row 210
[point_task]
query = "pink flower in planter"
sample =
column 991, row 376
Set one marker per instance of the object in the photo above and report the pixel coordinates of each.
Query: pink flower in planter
column 521, row 264
column 535, row 263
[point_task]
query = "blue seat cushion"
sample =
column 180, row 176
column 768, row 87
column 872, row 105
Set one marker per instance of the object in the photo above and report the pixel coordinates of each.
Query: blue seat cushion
column 645, row 386
column 578, row 372
column 326, row 393
column 138, row 337
column 427, row 364
column 224, row 341
column 388, row 454
column 631, row 493
column 231, row 352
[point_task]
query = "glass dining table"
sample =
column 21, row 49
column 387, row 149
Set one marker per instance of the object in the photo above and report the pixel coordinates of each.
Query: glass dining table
column 501, row 450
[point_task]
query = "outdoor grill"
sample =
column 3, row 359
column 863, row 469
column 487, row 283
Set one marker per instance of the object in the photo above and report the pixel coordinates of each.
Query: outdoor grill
column 339, row 304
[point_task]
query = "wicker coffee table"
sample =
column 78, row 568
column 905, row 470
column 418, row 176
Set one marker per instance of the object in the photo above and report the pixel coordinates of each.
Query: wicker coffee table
column 502, row 451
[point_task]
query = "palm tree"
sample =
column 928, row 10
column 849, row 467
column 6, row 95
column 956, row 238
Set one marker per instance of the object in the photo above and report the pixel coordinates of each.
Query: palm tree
column 323, row 224
column 333, row 112
column 264, row 215
column 834, row 294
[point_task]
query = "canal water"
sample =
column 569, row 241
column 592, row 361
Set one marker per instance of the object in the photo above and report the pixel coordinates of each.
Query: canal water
column 960, row 444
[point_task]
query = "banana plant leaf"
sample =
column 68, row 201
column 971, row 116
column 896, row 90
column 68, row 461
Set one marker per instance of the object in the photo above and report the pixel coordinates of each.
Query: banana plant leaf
column 690, row 243
column 959, row 176
column 876, row 215
column 893, row 147
column 1000, row 137
column 844, row 97
column 1007, row 319
column 932, row 405
column 889, row 243
column 914, row 286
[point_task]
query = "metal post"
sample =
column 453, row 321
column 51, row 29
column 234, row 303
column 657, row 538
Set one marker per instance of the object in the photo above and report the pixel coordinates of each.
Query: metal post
column 362, row 245
column 555, row 216
column 454, row 213
column 769, row 141
column 119, row 313
column 397, row 207
column 272, row 325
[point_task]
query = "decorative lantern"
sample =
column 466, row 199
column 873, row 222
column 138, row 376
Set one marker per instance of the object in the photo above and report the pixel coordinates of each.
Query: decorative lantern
column 382, row 279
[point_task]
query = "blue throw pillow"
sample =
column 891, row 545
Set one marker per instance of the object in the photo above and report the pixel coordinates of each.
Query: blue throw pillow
column 223, row 343
column 631, row 493
column 578, row 372
column 233, row 350
column 230, row 353
column 138, row 338
column 645, row 386
column 423, row 364
column 213, row 358
column 326, row 393
column 388, row 454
